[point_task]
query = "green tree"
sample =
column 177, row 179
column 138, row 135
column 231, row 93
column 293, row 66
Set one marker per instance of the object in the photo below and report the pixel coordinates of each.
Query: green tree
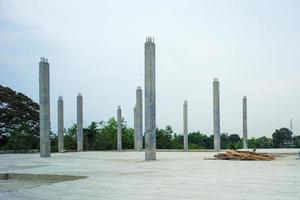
column 107, row 140
column 89, row 135
column 297, row 141
column 54, row 142
column 105, row 137
column 127, row 136
column 164, row 138
column 198, row 140
column 281, row 135
column 252, row 143
column 234, row 141
column 177, row 142
column 224, row 141
column 19, row 120
column 263, row 142
column 70, row 138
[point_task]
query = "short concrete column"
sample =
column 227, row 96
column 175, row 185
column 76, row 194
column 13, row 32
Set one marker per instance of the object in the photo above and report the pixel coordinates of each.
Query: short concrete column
column 139, row 118
column 135, row 127
column 79, row 123
column 119, row 129
column 185, row 126
column 216, row 113
column 44, row 100
column 245, row 124
column 150, row 102
column 60, row 123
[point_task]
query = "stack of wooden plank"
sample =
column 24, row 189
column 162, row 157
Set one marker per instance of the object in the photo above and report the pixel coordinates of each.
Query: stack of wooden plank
column 243, row 155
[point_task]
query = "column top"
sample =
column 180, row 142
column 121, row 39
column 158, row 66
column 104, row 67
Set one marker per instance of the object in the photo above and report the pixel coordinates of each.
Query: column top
column 139, row 88
column 216, row 79
column 79, row 94
column 60, row 98
column 119, row 107
column 43, row 59
column 244, row 97
column 150, row 39
column 185, row 102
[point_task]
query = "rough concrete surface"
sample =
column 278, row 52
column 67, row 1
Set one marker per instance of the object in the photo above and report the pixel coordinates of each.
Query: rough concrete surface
column 60, row 123
column 44, row 100
column 245, row 124
column 174, row 175
column 150, row 100
column 216, row 114
column 185, row 126
column 139, row 118
column 79, row 122
column 119, row 128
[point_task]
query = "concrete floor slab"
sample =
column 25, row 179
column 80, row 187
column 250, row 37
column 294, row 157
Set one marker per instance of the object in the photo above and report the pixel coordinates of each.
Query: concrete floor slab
column 174, row 175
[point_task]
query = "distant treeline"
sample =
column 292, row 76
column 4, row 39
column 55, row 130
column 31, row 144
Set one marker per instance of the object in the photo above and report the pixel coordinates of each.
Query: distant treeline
column 19, row 130
column 103, row 136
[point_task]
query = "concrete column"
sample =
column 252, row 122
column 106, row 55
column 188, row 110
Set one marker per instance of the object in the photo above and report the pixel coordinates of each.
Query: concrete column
column 44, row 98
column 216, row 113
column 79, row 123
column 135, row 127
column 60, row 123
column 245, row 128
column 139, row 118
column 150, row 105
column 185, row 126
column 119, row 131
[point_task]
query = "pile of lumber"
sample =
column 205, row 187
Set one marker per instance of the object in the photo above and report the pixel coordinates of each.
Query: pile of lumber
column 243, row 155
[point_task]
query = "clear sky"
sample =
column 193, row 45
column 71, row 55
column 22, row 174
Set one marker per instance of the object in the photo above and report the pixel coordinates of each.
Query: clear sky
column 97, row 48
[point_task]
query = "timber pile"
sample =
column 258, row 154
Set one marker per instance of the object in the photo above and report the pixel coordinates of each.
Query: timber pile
column 243, row 155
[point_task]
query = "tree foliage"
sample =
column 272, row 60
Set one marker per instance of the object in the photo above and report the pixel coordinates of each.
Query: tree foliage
column 164, row 138
column 198, row 140
column 19, row 120
column 260, row 143
column 100, row 136
column 281, row 135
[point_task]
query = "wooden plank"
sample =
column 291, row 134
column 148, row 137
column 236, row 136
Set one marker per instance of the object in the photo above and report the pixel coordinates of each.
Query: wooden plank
column 243, row 155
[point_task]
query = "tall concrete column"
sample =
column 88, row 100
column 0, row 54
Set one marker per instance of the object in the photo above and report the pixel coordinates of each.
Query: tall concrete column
column 245, row 128
column 119, row 131
column 79, row 123
column 135, row 127
column 44, row 100
column 185, row 126
column 60, row 123
column 150, row 105
column 216, row 113
column 139, row 118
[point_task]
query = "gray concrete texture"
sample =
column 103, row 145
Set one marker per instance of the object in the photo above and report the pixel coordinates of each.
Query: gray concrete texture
column 44, row 102
column 79, row 123
column 216, row 113
column 60, row 123
column 139, row 118
column 174, row 175
column 150, row 101
column 119, row 128
column 135, row 127
column 185, row 126
column 245, row 124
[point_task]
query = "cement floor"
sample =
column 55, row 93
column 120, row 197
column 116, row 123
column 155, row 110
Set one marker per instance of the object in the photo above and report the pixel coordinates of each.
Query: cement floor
column 175, row 175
